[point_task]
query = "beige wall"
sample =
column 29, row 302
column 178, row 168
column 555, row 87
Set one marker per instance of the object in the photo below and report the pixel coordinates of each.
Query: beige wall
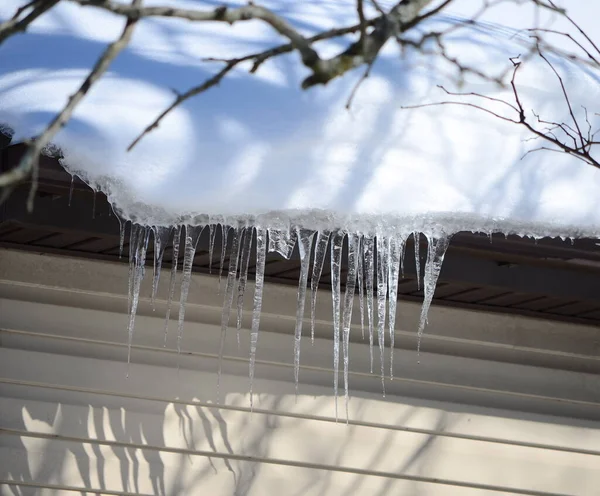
column 498, row 405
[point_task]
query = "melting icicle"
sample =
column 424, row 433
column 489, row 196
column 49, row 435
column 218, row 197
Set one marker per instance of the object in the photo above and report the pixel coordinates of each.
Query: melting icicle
column 231, row 275
column 224, row 236
column 320, row 252
column 305, row 239
column 261, row 255
column 71, row 189
column 137, row 250
column 396, row 248
column 353, row 250
column 161, row 239
column 174, row 261
column 416, row 239
column 436, row 250
column 245, row 261
column 336, row 261
column 192, row 235
column 368, row 255
column 360, row 275
column 382, row 278
column 212, row 228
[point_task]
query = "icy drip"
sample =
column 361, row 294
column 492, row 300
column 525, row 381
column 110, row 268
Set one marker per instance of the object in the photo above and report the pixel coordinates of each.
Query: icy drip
column 382, row 277
column 416, row 239
column 192, row 235
column 161, row 239
column 360, row 276
column 245, row 261
column 230, row 285
column 396, row 249
column 212, row 228
column 368, row 256
column 137, row 249
column 261, row 255
column 305, row 240
column 224, row 236
column 436, row 250
column 353, row 250
column 336, row 262
column 174, row 261
column 320, row 252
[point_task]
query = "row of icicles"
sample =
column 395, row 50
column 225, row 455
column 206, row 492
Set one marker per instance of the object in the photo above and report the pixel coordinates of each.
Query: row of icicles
column 374, row 266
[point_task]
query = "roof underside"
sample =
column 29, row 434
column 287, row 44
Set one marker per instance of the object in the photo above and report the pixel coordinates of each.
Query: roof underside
column 550, row 278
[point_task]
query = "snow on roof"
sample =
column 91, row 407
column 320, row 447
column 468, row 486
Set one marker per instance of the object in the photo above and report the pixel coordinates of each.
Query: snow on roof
column 259, row 144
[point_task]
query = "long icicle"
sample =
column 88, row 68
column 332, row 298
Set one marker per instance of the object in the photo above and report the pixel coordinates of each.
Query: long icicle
column 416, row 239
column 305, row 240
column 138, row 261
column 320, row 252
column 192, row 235
column 396, row 249
column 173, row 280
column 436, row 250
column 361, row 290
column 134, row 234
column 382, row 277
column 230, row 285
column 369, row 255
column 336, row 262
column 245, row 262
column 212, row 228
column 161, row 239
column 224, row 236
column 261, row 255
column 353, row 250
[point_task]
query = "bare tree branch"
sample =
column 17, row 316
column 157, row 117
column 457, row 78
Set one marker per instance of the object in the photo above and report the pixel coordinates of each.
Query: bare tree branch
column 16, row 25
column 29, row 162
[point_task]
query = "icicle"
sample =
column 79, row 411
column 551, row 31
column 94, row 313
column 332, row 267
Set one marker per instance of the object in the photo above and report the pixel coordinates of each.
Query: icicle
column 161, row 239
column 396, row 249
column 369, row 255
column 133, row 245
column 94, row 206
column 192, row 235
column 71, row 189
column 282, row 242
column 224, row 236
column 174, row 261
column 261, row 255
column 382, row 278
column 360, row 275
column 137, row 258
column 231, row 275
column 245, row 261
column 320, row 252
column 416, row 239
column 211, row 245
column 122, row 227
column 436, row 250
column 305, row 240
column 353, row 250
column 336, row 261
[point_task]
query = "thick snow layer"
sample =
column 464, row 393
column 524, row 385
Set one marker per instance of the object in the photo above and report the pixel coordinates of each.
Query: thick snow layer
column 258, row 144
